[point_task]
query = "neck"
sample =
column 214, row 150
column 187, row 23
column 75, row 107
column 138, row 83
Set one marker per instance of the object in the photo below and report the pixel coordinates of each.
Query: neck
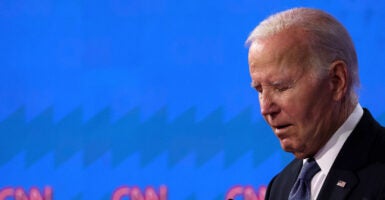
column 346, row 108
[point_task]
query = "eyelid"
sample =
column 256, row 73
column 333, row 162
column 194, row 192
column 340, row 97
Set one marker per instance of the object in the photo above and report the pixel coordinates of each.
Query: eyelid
column 256, row 86
column 278, row 86
column 283, row 86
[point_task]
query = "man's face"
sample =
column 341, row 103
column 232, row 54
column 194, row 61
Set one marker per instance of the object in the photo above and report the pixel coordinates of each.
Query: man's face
column 296, row 103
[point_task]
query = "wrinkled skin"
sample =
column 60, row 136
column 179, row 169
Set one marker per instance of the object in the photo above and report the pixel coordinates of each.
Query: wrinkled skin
column 302, row 108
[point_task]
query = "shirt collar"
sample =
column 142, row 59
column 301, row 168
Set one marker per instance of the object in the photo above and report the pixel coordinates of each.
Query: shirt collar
column 328, row 153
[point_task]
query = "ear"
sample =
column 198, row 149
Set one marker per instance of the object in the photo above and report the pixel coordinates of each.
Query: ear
column 339, row 79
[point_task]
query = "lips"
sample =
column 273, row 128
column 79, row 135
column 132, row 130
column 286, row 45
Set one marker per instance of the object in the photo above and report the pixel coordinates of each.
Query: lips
column 280, row 128
column 279, row 125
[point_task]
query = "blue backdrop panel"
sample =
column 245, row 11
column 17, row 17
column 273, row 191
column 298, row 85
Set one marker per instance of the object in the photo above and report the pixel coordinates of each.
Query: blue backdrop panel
column 108, row 99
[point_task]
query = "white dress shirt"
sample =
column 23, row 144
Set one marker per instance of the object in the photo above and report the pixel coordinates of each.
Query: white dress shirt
column 328, row 153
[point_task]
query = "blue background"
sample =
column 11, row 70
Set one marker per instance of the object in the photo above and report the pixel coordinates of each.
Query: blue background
column 103, row 93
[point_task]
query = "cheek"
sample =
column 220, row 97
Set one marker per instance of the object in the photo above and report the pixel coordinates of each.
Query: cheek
column 300, row 110
column 293, row 106
column 309, row 114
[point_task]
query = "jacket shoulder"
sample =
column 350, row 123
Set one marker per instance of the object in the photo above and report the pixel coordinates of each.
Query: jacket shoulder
column 280, row 186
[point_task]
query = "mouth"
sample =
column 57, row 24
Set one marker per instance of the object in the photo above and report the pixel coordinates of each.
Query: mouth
column 281, row 128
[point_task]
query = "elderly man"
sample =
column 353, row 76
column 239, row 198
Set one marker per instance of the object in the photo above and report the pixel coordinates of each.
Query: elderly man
column 304, row 66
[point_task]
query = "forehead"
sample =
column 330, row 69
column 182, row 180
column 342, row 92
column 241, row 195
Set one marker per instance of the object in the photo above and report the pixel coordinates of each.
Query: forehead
column 279, row 56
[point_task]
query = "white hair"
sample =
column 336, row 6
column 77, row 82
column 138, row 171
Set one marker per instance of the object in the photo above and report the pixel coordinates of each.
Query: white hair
column 326, row 38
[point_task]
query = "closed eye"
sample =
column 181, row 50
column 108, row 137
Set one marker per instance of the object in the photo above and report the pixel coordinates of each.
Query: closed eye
column 282, row 88
column 278, row 87
column 257, row 87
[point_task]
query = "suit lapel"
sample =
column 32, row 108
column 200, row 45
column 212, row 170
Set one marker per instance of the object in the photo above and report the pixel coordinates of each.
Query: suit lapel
column 279, row 188
column 341, row 180
column 288, row 179
column 353, row 156
column 338, row 185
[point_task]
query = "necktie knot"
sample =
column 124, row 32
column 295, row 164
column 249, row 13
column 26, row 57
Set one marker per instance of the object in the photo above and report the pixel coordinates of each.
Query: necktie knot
column 309, row 169
column 301, row 188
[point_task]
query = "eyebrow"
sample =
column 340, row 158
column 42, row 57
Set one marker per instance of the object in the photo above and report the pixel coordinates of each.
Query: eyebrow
column 253, row 84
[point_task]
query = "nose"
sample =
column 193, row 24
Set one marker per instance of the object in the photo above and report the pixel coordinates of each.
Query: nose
column 268, row 106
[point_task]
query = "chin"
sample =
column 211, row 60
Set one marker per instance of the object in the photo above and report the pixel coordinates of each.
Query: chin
column 297, row 153
column 300, row 155
column 288, row 147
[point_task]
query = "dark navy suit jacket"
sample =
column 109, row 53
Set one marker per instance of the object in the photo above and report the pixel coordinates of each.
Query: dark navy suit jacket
column 359, row 166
